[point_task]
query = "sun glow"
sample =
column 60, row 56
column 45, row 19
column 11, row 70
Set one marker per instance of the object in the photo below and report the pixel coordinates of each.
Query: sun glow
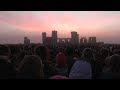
column 64, row 27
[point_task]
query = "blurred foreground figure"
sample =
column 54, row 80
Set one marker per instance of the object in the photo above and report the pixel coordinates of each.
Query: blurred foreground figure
column 114, row 72
column 89, row 57
column 61, row 65
column 31, row 68
column 81, row 70
column 69, row 58
column 48, row 69
column 7, row 70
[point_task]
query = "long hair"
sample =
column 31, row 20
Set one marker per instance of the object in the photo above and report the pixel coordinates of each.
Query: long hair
column 88, row 54
column 104, row 52
column 31, row 67
column 115, row 63
column 41, row 51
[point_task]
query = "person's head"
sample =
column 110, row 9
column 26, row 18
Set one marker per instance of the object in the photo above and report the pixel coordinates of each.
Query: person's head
column 21, row 56
column 29, row 53
column 69, row 51
column 5, row 50
column 61, row 49
column 87, row 54
column 31, row 67
column 60, row 59
column 115, row 63
column 104, row 52
column 41, row 51
column 107, row 61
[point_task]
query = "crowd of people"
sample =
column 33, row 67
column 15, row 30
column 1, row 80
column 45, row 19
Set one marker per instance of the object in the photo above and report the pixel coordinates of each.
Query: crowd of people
column 59, row 62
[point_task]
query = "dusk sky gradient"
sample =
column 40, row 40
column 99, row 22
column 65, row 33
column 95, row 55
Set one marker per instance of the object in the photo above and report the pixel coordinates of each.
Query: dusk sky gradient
column 15, row 25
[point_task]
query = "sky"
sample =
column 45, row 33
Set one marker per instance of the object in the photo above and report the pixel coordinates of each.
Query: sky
column 15, row 25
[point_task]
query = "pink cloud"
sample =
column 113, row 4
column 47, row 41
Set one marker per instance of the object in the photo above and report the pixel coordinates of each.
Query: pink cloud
column 85, row 23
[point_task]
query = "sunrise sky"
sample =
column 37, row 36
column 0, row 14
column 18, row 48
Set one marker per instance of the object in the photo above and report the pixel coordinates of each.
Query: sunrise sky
column 15, row 25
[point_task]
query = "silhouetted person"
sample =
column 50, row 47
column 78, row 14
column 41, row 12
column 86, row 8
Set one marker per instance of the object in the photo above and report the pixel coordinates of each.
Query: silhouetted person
column 69, row 58
column 31, row 68
column 114, row 72
column 48, row 69
column 115, row 66
column 42, row 52
column 107, row 65
column 61, row 65
column 20, row 57
column 5, row 51
column 89, row 57
column 104, row 54
column 81, row 70
column 100, row 62
column 6, row 68
column 60, row 49
column 13, row 56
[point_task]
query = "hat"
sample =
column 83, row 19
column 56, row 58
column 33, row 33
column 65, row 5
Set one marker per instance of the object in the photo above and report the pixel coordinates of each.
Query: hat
column 60, row 59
